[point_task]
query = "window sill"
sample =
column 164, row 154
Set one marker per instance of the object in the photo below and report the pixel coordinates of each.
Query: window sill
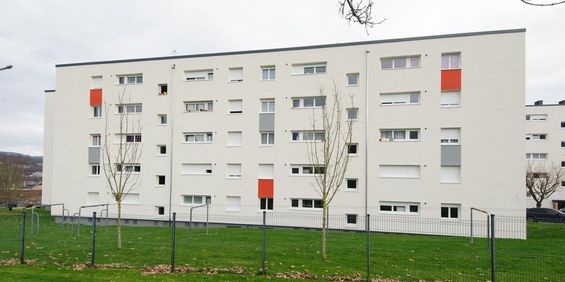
column 306, row 209
column 450, row 106
column 196, row 142
column 261, row 211
column 266, row 112
column 160, row 124
column 235, row 114
column 266, row 145
column 398, row 141
column 399, row 213
column 233, row 146
column 160, row 186
column 161, row 155
column 206, row 111
column 95, row 118
column 197, row 80
column 352, row 155
column 302, row 175
column 232, row 211
column 390, row 177
column 233, row 178
column 352, row 85
column 308, row 74
column 267, row 80
column 305, row 108
column 398, row 105
column 392, row 69
column 197, row 174
column 351, row 190
column 93, row 175
column 450, row 183
column 235, row 81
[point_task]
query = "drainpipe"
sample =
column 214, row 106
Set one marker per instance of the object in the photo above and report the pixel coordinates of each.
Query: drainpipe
column 366, row 130
column 170, row 120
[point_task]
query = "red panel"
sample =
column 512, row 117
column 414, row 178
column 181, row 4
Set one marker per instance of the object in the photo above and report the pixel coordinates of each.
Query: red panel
column 266, row 188
column 95, row 97
column 450, row 80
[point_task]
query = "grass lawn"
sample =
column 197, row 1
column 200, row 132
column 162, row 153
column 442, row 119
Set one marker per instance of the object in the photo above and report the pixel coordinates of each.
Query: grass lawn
column 234, row 254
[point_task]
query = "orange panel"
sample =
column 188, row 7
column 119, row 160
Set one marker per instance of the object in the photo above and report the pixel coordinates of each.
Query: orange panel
column 95, row 97
column 450, row 80
column 266, row 188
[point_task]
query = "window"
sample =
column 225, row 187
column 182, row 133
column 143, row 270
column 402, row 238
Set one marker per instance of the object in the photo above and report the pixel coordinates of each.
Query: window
column 408, row 98
column 196, row 169
column 399, row 208
column 96, row 140
column 309, row 102
column 236, row 74
column 92, row 198
column 562, row 163
column 563, row 124
column 193, row 75
column 309, row 68
column 399, row 171
column 130, row 79
column 266, row 204
column 198, row 137
column 562, row 144
column 352, row 113
column 450, row 136
column 162, row 149
column 399, row 135
column 196, row 199
column 268, row 73
column 450, row 174
column 409, row 62
column 160, row 210
column 95, row 169
column 351, row 183
column 266, row 171
column 450, row 99
column 450, row 210
column 233, row 203
column 163, row 89
column 234, row 170
column 536, row 117
column 268, row 105
column 129, row 108
column 307, row 169
column 451, row 61
column 536, row 136
column 128, row 168
column 160, row 180
column 235, row 106
column 267, row 138
column 562, row 183
column 234, row 138
column 96, row 82
column 352, row 149
column 306, row 203
column 308, row 135
column 199, row 106
column 351, row 218
column 162, row 118
column 536, row 156
column 96, row 111
column 352, row 79
column 132, row 138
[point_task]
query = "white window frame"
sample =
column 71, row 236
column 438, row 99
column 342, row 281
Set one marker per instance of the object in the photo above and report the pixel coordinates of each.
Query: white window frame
column 230, row 208
column 269, row 136
column 96, row 111
column 306, row 170
column 353, row 74
column 302, row 201
column 268, row 73
column 204, row 199
column 162, row 119
column 96, row 140
column 208, row 171
column 198, row 137
column 95, row 170
column 234, row 110
column 356, row 149
column 307, row 136
column 536, row 136
column 443, row 170
column 230, row 137
column 352, row 110
column 267, row 204
column 230, row 170
column 310, row 68
column 450, row 136
column 451, row 61
column 129, row 109
column 536, row 117
column 395, row 64
column 199, row 75
column 400, row 98
column 129, row 79
column 159, row 149
column 449, row 207
column 131, row 168
column 347, row 184
column 356, row 216
column 395, row 131
column 399, row 208
column 135, row 137
column 407, row 171
column 317, row 102
column 450, row 102
column 267, row 105
column 198, row 106
column 158, row 177
column 235, row 74
column 536, row 156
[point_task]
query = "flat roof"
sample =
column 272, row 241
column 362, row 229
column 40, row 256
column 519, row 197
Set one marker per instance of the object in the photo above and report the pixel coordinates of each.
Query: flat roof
column 297, row 48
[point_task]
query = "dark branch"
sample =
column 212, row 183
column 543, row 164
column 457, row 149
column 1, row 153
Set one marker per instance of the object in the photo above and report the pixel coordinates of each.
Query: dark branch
column 358, row 11
column 528, row 2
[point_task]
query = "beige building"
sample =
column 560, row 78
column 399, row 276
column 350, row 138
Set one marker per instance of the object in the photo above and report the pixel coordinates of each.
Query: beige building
column 443, row 118
column 545, row 143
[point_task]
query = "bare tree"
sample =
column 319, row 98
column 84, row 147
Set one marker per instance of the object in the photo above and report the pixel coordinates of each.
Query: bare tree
column 541, row 3
column 330, row 157
column 121, row 161
column 11, row 181
column 543, row 180
column 358, row 11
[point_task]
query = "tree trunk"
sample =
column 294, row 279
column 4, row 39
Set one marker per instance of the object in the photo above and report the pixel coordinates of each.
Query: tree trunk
column 119, row 225
column 538, row 204
column 324, row 232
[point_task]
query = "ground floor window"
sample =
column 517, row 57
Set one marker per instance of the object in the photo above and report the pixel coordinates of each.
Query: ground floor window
column 351, row 218
column 450, row 211
column 266, row 204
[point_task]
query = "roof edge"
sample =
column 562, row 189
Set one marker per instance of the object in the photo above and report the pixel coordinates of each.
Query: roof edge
column 382, row 41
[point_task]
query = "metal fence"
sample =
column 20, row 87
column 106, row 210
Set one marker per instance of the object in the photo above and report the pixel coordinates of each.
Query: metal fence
column 286, row 245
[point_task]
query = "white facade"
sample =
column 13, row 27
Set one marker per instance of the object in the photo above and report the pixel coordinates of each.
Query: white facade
column 545, row 143
column 215, row 116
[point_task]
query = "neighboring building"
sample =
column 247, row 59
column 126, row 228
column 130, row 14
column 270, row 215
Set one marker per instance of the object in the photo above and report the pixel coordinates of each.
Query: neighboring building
column 545, row 142
column 445, row 128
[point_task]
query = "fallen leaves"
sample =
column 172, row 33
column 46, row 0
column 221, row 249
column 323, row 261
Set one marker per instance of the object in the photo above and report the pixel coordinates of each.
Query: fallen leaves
column 165, row 268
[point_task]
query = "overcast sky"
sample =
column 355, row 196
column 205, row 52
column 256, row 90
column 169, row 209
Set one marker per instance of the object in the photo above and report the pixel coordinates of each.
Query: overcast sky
column 36, row 35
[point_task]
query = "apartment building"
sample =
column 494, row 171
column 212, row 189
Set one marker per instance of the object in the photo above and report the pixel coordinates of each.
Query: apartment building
column 545, row 143
column 438, row 128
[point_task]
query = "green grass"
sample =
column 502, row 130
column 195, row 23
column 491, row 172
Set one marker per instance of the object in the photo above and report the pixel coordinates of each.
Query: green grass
column 402, row 257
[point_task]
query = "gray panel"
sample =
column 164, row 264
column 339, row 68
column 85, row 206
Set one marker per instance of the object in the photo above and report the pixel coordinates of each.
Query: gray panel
column 267, row 122
column 451, row 155
column 94, row 155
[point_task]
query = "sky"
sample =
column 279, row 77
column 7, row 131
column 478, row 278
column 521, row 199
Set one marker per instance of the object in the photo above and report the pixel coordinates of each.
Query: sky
column 35, row 35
